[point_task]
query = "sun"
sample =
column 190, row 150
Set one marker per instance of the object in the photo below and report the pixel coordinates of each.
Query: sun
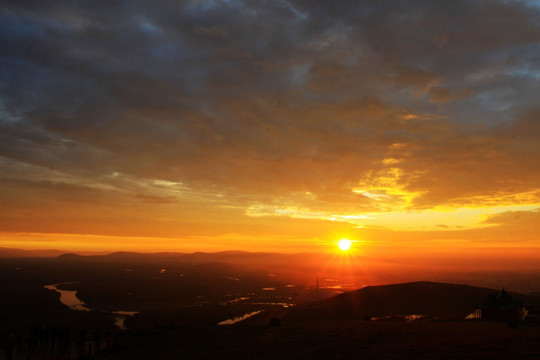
column 344, row 244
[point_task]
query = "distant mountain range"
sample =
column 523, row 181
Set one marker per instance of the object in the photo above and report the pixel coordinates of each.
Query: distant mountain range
column 19, row 253
column 240, row 257
column 305, row 268
column 232, row 255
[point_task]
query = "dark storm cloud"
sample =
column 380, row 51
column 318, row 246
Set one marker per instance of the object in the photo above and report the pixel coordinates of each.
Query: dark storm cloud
column 258, row 98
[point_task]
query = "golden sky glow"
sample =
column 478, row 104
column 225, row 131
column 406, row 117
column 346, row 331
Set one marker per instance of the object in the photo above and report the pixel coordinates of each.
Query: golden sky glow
column 273, row 126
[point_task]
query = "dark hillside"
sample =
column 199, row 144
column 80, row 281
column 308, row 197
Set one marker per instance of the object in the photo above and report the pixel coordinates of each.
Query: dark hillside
column 433, row 300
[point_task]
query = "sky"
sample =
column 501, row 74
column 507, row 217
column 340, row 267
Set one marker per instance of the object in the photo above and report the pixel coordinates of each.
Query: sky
column 409, row 127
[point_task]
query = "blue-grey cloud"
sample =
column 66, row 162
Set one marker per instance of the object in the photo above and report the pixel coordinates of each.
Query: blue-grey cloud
column 255, row 99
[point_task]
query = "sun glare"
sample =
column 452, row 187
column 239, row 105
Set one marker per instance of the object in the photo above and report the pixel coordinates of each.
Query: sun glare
column 344, row 244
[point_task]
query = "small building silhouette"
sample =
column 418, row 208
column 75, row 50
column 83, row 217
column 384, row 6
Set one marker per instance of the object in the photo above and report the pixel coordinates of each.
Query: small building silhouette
column 501, row 307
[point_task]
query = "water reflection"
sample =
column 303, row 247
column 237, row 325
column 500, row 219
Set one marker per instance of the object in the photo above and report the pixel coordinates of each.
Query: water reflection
column 120, row 320
column 239, row 318
column 70, row 299
column 283, row 304
column 236, row 300
column 412, row 317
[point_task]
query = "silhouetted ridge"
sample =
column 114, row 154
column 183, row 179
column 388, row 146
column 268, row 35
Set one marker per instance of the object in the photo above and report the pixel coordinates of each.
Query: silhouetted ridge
column 20, row 253
column 126, row 254
column 434, row 300
column 70, row 256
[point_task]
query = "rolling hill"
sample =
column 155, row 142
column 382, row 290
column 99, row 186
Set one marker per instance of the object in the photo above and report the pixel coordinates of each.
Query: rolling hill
column 433, row 300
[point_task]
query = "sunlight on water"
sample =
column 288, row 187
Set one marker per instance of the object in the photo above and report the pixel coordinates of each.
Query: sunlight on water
column 119, row 320
column 239, row 318
column 285, row 305
column 236, row 300
column 69, row 298
column 476, row 314
column 127, row 313
column 407, row 318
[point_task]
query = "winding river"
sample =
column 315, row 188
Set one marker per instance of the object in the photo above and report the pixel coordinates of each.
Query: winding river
column 70, row 299
column 239, row 318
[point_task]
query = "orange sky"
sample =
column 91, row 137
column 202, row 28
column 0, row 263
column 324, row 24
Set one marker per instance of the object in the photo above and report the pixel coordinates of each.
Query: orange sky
column 272, row 126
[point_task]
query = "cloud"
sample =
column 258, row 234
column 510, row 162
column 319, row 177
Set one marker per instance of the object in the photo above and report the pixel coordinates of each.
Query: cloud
column 441, row 94
column 516, row 219
column 262, row 102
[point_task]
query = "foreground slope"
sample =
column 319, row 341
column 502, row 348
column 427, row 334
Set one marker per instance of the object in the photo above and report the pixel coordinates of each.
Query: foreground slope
column 332, row 329
column 333, row 340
